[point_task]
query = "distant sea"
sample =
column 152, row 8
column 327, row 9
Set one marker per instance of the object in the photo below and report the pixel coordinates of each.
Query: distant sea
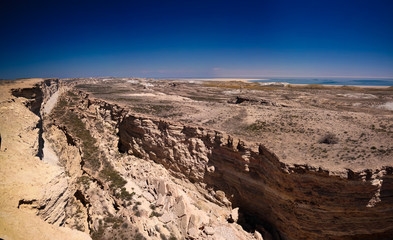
column 333, row 81
column 309, row 80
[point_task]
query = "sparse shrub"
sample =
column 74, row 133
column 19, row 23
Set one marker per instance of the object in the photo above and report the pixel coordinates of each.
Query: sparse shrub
column 116, row 225
column 155, row 214
column 258, row 125
column 124, row 225
column 139, row 236
column 71, row 94
column 163, row 237
column 98, row 234
column 125, row 195
column 110, row 174
column 329, row 138
column 157, row 109
column 77, row 128
column 112, row 219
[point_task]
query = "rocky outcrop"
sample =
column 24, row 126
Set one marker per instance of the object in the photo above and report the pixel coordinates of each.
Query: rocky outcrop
column 254, row 101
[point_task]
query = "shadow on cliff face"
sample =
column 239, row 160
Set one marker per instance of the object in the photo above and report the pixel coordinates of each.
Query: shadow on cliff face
column 34, row 101
column 248, row 217
column 251, row 223
column 239, row 186
column 41, row 142
column 34, row 96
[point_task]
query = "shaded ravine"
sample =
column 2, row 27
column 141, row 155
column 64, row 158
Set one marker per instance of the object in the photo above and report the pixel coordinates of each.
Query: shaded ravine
column 34, row 102
column 40, row 100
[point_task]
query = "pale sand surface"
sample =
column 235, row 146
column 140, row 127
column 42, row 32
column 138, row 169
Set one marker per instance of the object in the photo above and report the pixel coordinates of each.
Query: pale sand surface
column 51, row 103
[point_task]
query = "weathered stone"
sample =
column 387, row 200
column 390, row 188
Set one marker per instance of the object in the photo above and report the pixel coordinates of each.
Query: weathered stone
column 179, row 209
column 160, row 201
column 148, row 196
column 193, row 233
column 209, row 230
column 258, row 236
column 167, row 217
column 183, row 223
column 161, row 188
column 234, row 216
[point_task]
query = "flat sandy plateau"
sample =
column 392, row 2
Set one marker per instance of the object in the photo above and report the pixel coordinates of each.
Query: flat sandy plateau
column 333, row 127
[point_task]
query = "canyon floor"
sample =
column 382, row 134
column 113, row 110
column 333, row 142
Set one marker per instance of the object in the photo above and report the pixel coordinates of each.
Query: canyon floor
column 134, row 158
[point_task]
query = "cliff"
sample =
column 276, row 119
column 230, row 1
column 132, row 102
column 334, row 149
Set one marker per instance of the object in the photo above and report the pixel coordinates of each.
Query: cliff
column 295, row 202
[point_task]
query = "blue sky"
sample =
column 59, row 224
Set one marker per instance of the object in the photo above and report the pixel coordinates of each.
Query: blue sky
column 196, row 38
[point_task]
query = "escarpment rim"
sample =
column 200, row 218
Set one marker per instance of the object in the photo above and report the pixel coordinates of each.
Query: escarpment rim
column 234, row 141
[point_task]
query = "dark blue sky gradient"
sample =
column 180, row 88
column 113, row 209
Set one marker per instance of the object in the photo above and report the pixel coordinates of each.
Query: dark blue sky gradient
column 196, row 38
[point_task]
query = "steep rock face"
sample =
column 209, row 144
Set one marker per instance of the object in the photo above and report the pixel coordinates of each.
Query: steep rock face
column 292, row 202
column 161, row 207
column 33, row 95
column 178, row 148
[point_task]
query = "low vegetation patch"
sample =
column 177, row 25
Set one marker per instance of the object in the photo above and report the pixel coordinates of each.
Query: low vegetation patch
column 65, row 114
column 329, row 138
column 77, row 128
column 258, row 125
column 155, row 214
column 110, row 174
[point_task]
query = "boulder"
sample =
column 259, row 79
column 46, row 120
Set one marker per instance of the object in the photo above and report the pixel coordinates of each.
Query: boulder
column 209, row 230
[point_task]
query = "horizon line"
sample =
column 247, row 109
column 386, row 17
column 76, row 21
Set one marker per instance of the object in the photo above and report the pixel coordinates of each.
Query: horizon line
column 212, row 77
